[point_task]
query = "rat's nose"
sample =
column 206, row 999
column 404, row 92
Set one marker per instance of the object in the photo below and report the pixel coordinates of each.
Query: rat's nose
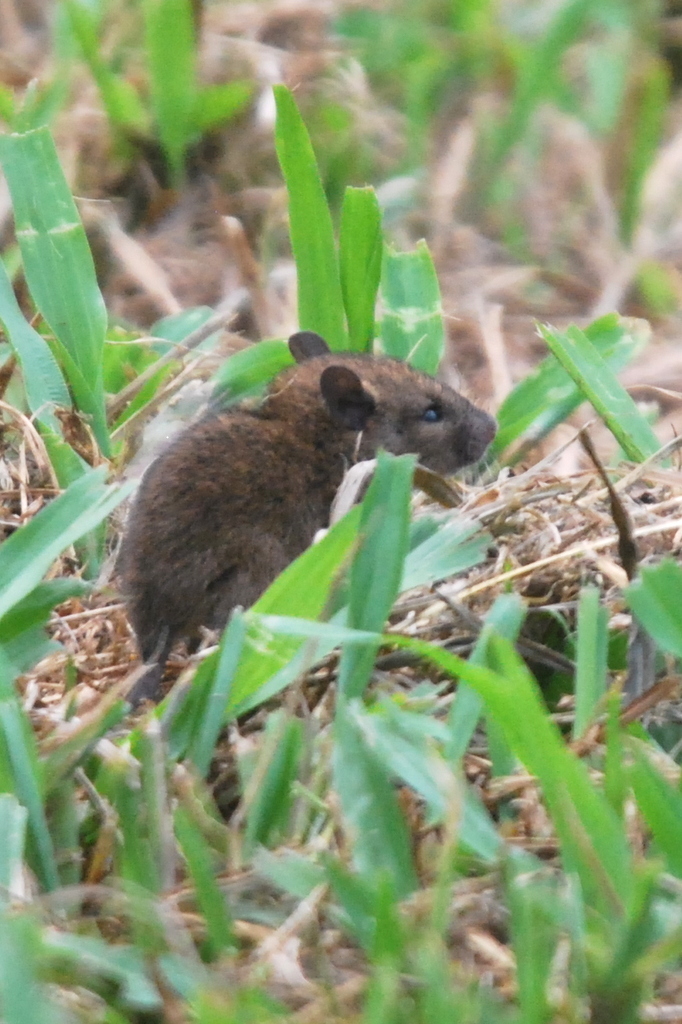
column 481, row 430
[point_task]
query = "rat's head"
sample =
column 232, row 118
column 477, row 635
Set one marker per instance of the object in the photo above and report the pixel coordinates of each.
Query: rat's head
column 392, row 405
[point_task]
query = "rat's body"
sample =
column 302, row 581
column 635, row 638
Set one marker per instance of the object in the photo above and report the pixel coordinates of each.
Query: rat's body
column 240, row 494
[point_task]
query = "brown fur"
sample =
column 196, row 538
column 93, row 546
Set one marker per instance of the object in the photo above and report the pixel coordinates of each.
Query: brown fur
column 240, row 494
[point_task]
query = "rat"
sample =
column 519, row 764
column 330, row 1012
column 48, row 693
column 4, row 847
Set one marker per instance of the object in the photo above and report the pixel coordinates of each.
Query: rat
column 241, row 493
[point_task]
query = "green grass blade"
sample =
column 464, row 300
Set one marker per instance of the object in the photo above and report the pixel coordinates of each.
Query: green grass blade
column 377, row 568
column 505, row 618
column 23, row 997
column 369, row 806
column 28, row 553
column 45, row 386
column 247, row 372
column 268, row 812
column 661, row 806
column 58, row 264
column 536, row 79
column 412, row 322
column 210, row 899
column 320, row 301
column 215, row 105
column 455, row 546
column 535, row 931
column 171, row 56
column 21, row 776
column 13, row 818
column 591, row 654
column 592, row 839
column 360, row 251
column 582, row 361
column 548, row 395
column 646, row 114
column 656, row 599
column 210, row 715
column 121, row 102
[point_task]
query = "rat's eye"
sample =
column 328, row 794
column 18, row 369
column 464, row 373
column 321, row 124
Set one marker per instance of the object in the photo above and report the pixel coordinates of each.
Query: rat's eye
column 433, row 414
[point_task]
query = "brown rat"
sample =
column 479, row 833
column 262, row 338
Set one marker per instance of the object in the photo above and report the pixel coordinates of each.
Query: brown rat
column 241, row 493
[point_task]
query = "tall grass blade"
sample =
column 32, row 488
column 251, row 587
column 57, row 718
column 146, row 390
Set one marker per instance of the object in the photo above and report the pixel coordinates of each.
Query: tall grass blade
column 43, row 380
column 647, row 120
column 592, row 839
column 377, row 568
column 360, row 252
column 13, row 818
column 171, row 56
column 58, row 265
column 656, row 599
column 29, row 552
column 592, row 645
column 369, row 806
column 320, row 301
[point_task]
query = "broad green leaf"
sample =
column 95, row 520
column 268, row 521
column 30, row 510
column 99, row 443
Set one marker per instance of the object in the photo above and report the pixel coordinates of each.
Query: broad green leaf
column 43, row 380
column 412, row 322
column 656, row 599
column 360, row 252
column 320, row 302
column 58, row 265
column 29, row 552
column 582, row 361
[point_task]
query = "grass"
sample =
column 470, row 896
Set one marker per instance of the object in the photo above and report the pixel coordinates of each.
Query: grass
column 339, row 795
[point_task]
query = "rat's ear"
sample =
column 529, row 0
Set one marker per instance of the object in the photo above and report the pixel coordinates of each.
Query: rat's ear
column 348, row 402
column 306, row 345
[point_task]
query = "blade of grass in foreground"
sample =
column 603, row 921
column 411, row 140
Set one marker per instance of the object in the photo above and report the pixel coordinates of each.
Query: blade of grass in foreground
column 45, row 386
column 360, row 251
column 656, row 599
column 582, row 361
column 320, row 302
column 58, row 265
column 20, row 775
column 592, row 643
column 377, row 568
column 29, row 552
column 592, row 839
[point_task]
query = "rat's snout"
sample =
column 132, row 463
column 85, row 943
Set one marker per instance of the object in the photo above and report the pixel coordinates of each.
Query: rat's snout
column 481, row 429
